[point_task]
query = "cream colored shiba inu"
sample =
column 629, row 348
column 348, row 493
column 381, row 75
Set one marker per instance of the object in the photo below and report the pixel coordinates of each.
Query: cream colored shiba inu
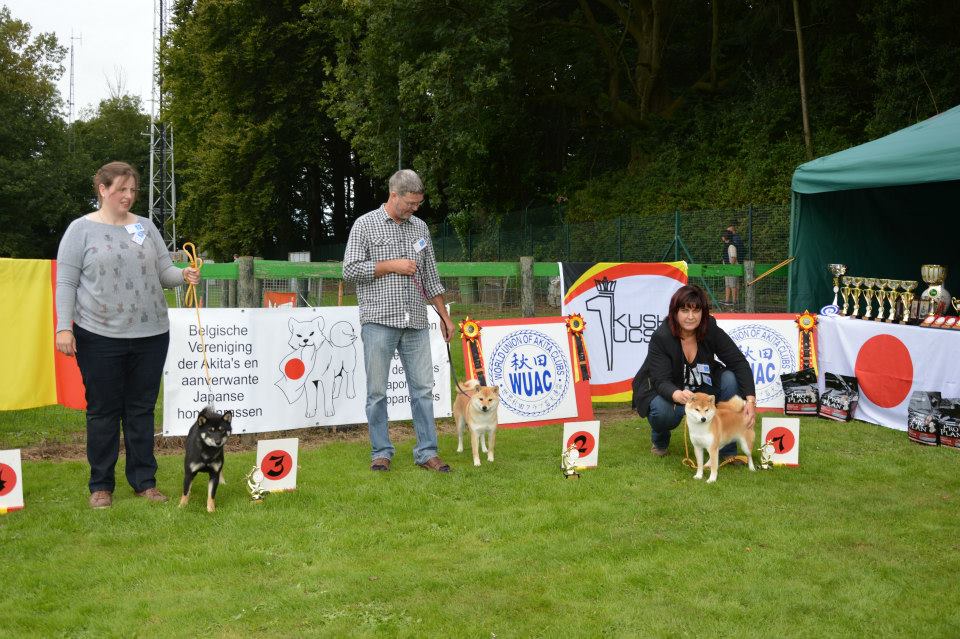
column 477, row 410
column 712, row 425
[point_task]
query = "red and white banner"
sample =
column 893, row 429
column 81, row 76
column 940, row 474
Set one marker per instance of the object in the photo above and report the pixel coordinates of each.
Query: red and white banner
column 622, row 304
column 890, row 361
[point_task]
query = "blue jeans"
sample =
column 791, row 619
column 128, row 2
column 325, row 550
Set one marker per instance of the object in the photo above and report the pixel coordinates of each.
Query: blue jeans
column 122, row 380
column 665, row 415
column 413, row 345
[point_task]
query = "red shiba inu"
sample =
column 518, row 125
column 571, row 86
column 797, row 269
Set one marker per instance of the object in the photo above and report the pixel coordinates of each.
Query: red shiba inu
column 477, row 410
column 712, row 425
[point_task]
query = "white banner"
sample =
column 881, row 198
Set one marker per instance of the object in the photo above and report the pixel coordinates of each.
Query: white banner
column 622, row 304
column 890, row 361
column 281, row 368
column 531, row 365
column 770, row 343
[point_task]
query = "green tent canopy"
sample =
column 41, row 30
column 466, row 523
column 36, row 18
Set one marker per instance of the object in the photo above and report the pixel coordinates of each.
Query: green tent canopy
column 883, row 208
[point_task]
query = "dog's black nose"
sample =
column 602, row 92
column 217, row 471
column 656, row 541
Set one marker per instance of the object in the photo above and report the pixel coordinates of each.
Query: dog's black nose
column 703, row 419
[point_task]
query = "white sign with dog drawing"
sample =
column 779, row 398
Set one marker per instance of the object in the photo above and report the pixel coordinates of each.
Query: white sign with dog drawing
column 11, row 482
column 585, row 436
column 277, row 460
column 281, row 368
column 783, row 436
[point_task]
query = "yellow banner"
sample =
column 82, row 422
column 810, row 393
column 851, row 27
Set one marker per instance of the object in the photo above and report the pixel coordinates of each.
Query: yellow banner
column 27, row 375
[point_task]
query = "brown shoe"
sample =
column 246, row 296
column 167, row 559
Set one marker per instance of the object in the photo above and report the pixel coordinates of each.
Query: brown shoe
column 659, row 452
column 435, row 463
column 380, row 463
column 101, row 499
column 152, row 494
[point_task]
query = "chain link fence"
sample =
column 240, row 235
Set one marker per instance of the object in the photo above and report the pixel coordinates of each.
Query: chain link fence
column 692, row 236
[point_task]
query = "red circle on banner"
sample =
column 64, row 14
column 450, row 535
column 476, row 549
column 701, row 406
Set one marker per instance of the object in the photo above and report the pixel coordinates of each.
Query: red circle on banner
column 294, row 369
column 584, row 441
column 782, row 438
column 276, row 465
column 884, row 370
column 8, row 479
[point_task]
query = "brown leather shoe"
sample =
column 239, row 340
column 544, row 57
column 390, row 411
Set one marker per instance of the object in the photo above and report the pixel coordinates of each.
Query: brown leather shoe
column 659, row 452
column 435, row 463
column 380, row 463
column 152, row 494
column 101, row 499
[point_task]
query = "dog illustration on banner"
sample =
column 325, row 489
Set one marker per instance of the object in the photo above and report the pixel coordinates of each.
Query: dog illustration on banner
column 319, row 366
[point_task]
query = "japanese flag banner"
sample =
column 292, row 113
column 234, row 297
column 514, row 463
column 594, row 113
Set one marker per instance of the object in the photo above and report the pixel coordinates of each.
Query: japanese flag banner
column 890, row 361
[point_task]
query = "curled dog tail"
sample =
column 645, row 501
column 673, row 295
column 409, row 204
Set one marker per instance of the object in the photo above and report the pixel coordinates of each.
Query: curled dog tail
column 735, row 404
column 470, row 385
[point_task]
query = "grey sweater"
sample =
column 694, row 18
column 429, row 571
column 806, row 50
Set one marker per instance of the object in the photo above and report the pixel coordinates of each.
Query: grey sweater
column 110, row 285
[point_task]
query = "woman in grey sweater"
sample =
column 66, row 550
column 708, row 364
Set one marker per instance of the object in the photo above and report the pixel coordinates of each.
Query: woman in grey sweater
column 112, row 267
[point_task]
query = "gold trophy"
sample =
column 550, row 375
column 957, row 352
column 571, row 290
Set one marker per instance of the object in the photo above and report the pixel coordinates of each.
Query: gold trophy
column 857, row 283
column 955, row 302
column 881, row 296
column 906, row 298
column 868, row 292
column 894, row 298
column 934, row 300
column 845, row 292
column 837, row 270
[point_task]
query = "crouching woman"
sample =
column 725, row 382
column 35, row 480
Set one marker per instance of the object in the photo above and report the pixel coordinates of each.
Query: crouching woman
column 689, row 353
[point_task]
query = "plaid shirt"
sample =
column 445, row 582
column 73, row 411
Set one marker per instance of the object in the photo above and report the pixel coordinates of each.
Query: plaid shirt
column 392, row 300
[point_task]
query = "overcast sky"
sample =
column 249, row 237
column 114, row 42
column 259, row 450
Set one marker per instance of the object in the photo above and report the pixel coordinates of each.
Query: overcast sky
column 117, row 41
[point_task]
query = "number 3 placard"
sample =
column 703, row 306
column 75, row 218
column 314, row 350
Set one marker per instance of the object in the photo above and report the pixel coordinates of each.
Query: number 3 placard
column 277, row 460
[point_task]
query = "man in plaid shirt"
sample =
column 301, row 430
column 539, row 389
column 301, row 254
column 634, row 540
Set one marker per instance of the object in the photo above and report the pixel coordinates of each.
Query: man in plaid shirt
column 389, row 256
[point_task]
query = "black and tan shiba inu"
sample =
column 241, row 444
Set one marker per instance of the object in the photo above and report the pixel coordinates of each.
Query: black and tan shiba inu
column 204, row 452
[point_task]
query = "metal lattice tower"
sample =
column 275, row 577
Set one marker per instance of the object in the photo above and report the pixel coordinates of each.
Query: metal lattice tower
column 71, row 106
column 163, row 190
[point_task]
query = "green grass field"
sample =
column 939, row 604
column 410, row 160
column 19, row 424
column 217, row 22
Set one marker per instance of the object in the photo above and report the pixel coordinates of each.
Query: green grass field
column 862, row 538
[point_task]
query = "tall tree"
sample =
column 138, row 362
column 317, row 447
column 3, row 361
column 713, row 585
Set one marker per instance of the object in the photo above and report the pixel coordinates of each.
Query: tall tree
column 35, row 203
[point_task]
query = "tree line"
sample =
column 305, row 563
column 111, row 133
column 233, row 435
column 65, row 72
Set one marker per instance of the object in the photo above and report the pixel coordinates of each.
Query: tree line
column 289, row 115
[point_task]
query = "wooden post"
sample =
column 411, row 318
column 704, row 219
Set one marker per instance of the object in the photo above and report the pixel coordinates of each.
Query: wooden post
column 749, row 292
column 246, row 284
column 526, row 286
column 231, row 293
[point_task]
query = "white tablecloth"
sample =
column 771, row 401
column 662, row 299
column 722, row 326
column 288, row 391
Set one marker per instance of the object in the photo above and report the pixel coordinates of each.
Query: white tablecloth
column 890, row 361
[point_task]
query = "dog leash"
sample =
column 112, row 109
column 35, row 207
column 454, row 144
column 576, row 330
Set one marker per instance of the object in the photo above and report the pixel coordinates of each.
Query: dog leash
column 453, row 371
column 192, row 299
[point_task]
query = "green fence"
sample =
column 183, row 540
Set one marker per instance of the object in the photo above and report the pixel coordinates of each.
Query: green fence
column 482, row 289
column 692, row 236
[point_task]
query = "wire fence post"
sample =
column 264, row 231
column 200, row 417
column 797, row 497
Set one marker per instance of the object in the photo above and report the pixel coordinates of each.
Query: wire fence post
column 526, row 286
column 619, row 238
column 246, row 284
column 750, row 232
column 676, row 235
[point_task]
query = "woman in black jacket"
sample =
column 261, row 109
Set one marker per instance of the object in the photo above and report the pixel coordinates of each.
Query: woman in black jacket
column 689, row 353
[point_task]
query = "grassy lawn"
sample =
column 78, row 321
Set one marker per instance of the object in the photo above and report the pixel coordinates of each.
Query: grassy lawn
column 862, row 538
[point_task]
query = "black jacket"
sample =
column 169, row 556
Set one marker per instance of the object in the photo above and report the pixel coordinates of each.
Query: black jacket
column 662, row 371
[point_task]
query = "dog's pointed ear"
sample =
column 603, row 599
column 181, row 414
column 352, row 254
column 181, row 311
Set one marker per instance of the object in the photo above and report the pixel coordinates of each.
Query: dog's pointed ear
column 201, row 419
column 713, row 399
column 290, row 324
column 228, row 416
column 496, row 390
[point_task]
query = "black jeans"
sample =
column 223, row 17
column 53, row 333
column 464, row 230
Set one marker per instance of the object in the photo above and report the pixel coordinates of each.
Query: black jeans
column 122, row 378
